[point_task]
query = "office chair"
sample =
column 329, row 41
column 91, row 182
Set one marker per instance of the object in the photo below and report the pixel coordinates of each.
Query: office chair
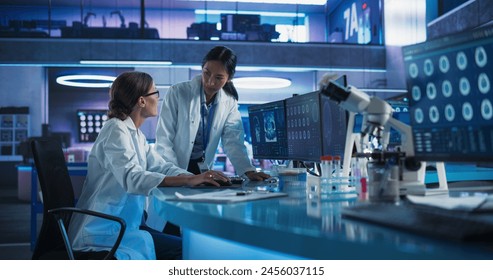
column 59, row 205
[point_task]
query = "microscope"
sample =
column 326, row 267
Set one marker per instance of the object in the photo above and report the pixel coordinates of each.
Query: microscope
column 390, row 173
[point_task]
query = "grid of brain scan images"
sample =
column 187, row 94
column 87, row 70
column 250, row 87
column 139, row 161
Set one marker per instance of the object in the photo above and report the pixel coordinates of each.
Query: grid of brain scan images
column 304, row 126
column 90, row 123
column 449, row 85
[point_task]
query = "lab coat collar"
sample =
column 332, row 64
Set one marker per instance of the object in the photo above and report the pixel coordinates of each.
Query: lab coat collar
column 130, row 123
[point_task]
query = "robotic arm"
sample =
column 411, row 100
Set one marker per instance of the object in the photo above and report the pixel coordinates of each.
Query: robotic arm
column 122, row 19
column 87, row 17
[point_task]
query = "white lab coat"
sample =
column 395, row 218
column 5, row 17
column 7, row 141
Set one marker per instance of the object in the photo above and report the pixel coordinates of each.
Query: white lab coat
column 179, row 122
column 122, row 171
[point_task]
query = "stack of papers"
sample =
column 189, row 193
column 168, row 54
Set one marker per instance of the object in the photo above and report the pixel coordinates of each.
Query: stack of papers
column 227, row 196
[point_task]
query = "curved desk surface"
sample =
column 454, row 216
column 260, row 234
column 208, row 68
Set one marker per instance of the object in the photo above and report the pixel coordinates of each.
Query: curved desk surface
column 298, row 226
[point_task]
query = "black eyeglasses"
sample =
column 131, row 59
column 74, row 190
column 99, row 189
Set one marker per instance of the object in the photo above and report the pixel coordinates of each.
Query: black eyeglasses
column 152, row 93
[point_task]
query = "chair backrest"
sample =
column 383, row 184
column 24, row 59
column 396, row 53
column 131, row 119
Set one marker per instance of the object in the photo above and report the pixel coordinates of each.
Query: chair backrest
column 57, row 191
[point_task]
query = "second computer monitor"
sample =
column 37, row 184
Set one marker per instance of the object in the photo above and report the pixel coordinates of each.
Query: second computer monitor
column 316, row 126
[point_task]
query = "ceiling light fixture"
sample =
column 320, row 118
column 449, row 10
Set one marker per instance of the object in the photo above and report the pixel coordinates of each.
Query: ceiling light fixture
column 289, row 2
column 125, row 62
column 87, row 81
column 261, row 82
column 261, row 13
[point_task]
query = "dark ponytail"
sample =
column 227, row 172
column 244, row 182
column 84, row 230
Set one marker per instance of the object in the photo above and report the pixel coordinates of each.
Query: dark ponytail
column 228, row 58
column 230, row 89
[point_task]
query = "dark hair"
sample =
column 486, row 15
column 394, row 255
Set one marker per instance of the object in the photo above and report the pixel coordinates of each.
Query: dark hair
column 125, row 92
column 228, row 58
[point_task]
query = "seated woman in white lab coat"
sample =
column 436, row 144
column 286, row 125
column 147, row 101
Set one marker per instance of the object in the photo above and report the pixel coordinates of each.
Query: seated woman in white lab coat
column 123, row 170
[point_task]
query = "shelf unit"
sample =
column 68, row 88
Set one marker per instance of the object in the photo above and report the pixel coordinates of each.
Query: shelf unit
column 14, row 129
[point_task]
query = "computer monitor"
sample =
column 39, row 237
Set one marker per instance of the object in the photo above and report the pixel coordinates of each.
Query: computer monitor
column 268, row 130
column 449, row 82
column 90, row 123
column 316, row 126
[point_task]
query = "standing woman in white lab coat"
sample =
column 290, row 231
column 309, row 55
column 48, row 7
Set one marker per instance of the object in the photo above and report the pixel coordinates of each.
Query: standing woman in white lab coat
column 197, row 114
column 122, row 171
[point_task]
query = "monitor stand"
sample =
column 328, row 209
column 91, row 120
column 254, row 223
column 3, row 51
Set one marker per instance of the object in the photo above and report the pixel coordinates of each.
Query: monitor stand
column 442, row 179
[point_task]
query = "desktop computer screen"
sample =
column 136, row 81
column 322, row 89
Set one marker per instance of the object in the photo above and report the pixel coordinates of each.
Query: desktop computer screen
column 316, row 126
column 268, row 130
column 449, row 83
column 90, row 123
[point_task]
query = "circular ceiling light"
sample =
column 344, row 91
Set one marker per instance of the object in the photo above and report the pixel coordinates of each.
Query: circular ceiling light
column 88, row 81
column 261, row 82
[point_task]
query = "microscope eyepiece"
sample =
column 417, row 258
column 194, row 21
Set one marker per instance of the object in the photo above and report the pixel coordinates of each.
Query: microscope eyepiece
column 335, row 92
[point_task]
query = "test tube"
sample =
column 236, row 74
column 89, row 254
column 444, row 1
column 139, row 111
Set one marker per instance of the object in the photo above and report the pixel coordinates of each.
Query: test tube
column 326, row 167
column 355, row 172
column 337, row 167
column 363, row 194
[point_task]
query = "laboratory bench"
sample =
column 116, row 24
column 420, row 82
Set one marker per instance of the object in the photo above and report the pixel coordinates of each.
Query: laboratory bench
column 300, row 225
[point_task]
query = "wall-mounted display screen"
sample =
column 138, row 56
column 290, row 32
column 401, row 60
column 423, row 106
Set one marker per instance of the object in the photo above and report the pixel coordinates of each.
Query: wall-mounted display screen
column 90, row 123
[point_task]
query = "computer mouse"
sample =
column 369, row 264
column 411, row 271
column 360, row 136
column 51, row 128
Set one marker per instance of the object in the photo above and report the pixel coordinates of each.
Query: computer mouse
column 224, row 183
column 271, row 180
column 235, row 180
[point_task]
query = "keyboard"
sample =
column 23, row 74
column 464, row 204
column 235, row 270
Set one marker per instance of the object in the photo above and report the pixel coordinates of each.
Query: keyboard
column 234, row 182
column 426, row 220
